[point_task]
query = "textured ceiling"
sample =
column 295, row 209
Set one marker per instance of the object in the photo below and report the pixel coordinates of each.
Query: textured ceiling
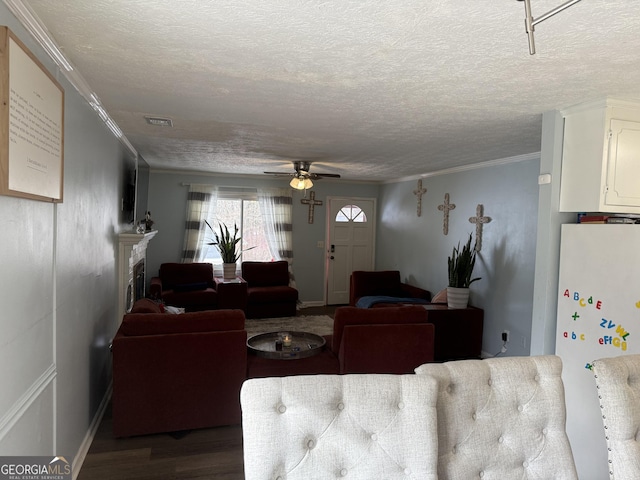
column 373, row 90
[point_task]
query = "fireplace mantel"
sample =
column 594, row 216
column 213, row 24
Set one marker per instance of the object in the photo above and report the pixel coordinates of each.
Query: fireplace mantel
column 132, row 248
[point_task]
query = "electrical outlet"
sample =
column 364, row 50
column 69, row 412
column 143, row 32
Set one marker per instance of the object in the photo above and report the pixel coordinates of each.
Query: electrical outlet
column 505, row 336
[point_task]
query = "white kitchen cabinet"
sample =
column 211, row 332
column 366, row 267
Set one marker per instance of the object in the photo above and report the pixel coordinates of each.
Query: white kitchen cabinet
column 601, row 157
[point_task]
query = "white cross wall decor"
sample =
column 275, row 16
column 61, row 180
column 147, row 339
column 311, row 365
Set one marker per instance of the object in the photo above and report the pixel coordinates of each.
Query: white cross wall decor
column 445, row 207
column 479, row 220
column 312, row 202
column 418, row 192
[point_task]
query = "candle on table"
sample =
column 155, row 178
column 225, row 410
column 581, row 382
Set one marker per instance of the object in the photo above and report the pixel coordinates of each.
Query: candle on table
column 286, row 340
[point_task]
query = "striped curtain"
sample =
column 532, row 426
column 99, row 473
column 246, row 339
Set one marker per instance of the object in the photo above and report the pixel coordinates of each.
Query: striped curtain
column 201, row 199
column 276, row 207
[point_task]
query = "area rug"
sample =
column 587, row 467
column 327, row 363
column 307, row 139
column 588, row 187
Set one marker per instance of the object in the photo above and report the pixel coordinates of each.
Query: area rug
column 318, row 324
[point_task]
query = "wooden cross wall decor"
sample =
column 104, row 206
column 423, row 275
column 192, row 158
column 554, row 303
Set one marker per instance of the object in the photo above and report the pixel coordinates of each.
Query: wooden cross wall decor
column 418, row 192
column 445, row 207
column 479, row 220
column 312, row 202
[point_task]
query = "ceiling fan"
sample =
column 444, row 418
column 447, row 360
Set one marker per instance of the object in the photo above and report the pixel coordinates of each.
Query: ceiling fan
column 302, row 176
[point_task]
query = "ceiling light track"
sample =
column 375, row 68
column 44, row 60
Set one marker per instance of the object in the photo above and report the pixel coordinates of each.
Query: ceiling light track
column 530, row 22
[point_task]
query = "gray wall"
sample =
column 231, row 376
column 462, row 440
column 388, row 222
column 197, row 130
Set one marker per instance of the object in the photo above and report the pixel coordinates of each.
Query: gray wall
column 168, row 203
column 418, row 247
column 58, row 289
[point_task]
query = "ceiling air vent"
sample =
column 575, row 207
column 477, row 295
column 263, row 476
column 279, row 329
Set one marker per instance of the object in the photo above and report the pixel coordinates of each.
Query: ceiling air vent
column 159, row 121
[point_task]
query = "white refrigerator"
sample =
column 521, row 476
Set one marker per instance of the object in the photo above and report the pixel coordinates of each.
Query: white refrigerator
column 598, row 316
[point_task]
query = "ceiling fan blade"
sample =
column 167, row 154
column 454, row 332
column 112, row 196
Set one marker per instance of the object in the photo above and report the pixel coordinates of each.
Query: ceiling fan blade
column 280, row 174
column 324, row 175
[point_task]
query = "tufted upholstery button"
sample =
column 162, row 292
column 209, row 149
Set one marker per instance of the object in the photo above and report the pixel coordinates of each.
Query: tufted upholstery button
column 490, row 382
column 407, row 471
column 500, row 439
column 481, row 474
column 449, row 388
column 279, row 478
column 545, row 431
column 341, row 406
column 401, row 405
column 311, row 444
column 537, row 378
column 474, row 416
column 525, row 464
column 520, row 408
column 374, row 436
column 343, row 472
column 282, row 408
column 455, row 449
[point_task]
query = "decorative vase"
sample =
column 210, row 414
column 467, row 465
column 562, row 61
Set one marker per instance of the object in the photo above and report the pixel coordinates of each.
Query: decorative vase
column 228, row 271
column 457, row 297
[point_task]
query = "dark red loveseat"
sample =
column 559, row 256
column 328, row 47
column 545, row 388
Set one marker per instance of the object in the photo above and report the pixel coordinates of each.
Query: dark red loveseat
column 177, row 372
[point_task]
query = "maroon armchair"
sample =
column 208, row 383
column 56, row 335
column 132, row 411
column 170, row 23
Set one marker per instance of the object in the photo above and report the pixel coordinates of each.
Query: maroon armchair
column 268, row 290
column 385, row 285
column 177, row 372
column 187, row 285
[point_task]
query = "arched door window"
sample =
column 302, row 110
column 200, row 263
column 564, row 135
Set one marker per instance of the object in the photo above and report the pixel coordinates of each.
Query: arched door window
column 351, row 213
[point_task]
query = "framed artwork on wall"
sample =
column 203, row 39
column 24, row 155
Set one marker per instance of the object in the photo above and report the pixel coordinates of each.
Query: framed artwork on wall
column 31, row 125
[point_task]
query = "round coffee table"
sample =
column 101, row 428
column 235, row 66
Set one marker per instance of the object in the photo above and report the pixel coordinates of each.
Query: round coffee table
column 303, row 344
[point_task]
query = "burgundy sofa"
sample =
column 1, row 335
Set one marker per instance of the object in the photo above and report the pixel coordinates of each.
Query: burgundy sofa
column 268, row 290
column 177, row 372
column 385, row 285
column 187, row 285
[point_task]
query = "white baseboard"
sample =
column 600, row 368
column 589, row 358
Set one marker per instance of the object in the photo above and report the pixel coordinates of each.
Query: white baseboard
column 91, row 433
column 317, row 303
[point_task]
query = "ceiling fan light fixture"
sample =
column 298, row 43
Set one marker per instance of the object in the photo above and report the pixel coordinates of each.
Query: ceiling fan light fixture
column 301, row 183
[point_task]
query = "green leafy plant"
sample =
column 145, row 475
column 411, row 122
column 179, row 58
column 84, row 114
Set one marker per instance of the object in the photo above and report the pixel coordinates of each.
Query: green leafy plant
column 227, row 244
column 461, row 263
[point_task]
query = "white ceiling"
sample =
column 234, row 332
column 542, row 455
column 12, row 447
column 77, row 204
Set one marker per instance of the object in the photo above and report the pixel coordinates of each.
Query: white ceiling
column 372, row 90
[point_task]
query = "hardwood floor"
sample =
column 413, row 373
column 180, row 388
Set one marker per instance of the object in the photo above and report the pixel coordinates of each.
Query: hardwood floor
column 210, row 453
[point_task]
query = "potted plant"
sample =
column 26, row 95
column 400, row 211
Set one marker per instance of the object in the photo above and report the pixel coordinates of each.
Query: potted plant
column 461, row 263
column 228, row 248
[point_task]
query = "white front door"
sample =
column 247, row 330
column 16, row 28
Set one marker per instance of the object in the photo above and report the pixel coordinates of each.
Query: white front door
column 350, row 243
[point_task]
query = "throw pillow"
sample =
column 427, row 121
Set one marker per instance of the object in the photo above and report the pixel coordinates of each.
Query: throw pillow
column 146, row 305
column 174, row 310
column 440, row 297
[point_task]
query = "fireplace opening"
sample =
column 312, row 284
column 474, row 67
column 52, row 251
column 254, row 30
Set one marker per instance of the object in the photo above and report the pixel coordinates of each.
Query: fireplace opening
column 138, row 281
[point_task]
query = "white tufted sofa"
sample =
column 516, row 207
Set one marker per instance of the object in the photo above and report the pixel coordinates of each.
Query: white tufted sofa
column 358, row 427
column 618, row 383
column 497, row 419
column 501, row 418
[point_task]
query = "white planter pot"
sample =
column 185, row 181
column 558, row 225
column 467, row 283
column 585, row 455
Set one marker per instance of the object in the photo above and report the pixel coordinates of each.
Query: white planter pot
column 228, row 271
column 457, row 297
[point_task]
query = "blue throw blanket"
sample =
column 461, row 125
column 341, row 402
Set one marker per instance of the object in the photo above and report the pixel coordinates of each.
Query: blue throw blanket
column 367, row 302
